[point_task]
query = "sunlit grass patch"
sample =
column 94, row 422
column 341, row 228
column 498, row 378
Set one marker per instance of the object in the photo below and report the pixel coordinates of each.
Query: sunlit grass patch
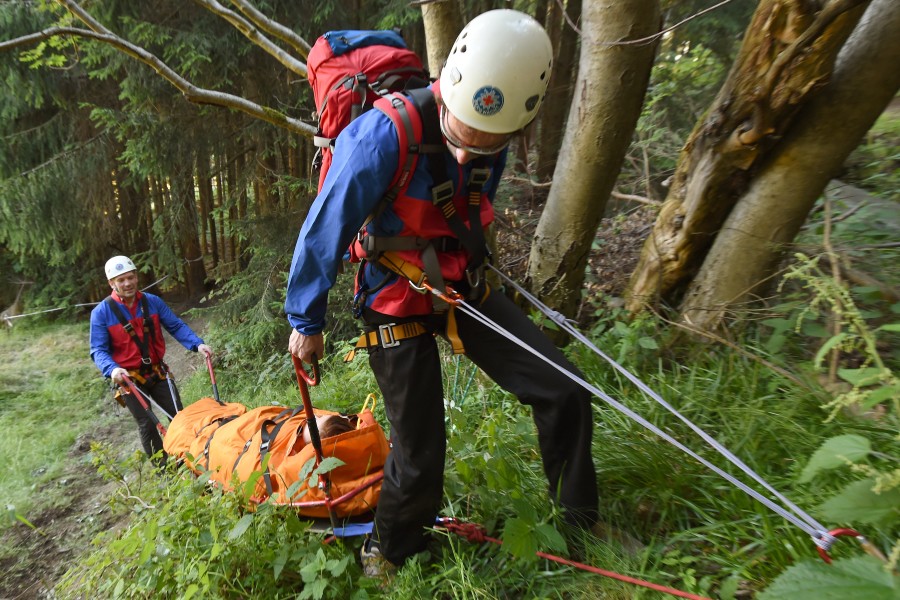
column 50, row 393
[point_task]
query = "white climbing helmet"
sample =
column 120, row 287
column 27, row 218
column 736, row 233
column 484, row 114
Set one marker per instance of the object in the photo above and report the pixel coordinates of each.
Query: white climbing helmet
column 118, row 265
column 498, row 71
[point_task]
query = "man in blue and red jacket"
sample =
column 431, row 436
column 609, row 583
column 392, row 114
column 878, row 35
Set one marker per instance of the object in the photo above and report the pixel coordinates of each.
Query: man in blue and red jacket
column 491, row 87
column 127, row 340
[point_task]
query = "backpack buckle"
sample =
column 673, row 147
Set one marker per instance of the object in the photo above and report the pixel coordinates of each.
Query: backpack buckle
column 386, row 336
column 441, row 193
column 479, row 177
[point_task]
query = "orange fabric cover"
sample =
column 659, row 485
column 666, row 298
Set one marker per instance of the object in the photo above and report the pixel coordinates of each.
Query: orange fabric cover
column 197, row 422
column 231, row 458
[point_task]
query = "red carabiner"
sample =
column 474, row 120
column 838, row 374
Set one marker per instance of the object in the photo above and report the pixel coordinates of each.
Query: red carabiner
column 867, row 546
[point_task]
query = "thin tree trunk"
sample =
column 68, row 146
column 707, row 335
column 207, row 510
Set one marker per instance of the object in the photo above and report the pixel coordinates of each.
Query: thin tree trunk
column 598, row 133
column 559, row 94
column 443, row 22
column 185, row 203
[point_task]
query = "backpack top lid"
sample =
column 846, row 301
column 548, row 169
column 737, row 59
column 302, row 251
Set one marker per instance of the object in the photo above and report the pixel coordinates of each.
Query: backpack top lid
column 345, row 40
column 327, row 61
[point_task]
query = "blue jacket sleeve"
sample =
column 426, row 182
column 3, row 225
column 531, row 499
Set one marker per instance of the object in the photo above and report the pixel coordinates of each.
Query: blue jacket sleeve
column 101, row 346
column 177, row 328
column 365, row 159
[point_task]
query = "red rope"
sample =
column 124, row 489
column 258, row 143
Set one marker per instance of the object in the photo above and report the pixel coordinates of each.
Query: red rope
column 476, row 533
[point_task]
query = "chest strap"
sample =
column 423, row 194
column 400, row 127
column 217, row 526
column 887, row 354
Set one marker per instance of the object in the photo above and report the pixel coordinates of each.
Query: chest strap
column 144, row 345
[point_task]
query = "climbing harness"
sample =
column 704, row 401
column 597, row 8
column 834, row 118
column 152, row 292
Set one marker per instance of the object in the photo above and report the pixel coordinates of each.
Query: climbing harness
column 821, row 536
column 149, row 372
column 388, row 335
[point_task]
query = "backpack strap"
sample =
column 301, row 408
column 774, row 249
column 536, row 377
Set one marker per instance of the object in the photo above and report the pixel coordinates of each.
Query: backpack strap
column 249, row 442
column 221, row 421
column 267, row 437
column 472, row 238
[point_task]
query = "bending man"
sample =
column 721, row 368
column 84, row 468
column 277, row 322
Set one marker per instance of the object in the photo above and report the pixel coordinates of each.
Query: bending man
column 491, row 87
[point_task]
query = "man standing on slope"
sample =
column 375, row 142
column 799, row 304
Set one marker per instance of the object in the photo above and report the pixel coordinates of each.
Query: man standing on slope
column 127, row 340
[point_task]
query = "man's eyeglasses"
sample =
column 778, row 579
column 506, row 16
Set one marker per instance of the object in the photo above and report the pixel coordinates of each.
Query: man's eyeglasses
column 481, row 151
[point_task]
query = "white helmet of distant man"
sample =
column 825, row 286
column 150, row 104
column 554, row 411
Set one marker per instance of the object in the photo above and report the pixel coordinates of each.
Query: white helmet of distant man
column 498, row 71
column 118, row 265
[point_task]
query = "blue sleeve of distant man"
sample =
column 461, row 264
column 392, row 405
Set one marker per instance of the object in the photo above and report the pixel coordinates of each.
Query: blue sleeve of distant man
column 101, row 346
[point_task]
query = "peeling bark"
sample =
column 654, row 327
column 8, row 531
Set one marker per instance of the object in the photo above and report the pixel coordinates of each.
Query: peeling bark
column 787, row 55
column 777, row 203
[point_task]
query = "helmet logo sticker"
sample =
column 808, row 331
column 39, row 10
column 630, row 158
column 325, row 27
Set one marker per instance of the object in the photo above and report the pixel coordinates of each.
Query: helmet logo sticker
column 487, row 100
column 119, row 266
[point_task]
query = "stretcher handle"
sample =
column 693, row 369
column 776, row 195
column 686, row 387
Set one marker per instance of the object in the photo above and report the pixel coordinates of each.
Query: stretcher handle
column 304, row 379
column 212, row 378
column 303, row 374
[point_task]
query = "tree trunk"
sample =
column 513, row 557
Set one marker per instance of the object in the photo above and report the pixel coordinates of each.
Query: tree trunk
column 443, row 22
column 559, row 95
column 788, row 53
column 207, row 208
column 599, row 130
column 186, row 226
column 773, row 209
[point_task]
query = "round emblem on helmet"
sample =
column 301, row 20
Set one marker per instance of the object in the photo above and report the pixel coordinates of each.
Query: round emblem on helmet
column 487, row 101
column 119, row 266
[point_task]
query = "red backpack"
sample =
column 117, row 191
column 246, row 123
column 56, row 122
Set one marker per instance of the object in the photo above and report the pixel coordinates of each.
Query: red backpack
column 348, row 71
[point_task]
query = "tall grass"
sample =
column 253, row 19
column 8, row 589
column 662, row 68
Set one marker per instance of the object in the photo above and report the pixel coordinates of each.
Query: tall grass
column 50, row 394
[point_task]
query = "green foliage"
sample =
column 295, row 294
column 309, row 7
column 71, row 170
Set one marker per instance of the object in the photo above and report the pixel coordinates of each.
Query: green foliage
column 872, row 381
column 864, row 479
column 188, row 539
column 858, row 577
column 875, row 164
column 835, row 452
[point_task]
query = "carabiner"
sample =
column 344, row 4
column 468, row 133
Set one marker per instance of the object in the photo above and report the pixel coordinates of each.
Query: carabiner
column 867, row 546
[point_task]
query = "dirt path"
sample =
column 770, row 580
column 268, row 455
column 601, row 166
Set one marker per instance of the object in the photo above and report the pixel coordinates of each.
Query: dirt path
column 62, row 534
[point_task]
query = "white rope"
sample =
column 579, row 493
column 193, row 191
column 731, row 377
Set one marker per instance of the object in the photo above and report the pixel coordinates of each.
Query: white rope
column 49, row 310
column 153, row 402
column 798, row 517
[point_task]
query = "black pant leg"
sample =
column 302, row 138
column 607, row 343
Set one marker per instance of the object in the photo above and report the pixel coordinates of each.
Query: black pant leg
column 409, row 376
column 150, row 438
column 163, row 395
column 561, row 408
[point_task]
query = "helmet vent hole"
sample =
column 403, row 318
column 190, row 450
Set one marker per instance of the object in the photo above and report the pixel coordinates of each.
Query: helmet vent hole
column 463, row 49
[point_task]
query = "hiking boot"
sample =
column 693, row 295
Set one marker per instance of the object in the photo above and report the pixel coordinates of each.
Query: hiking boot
column 375, row 565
